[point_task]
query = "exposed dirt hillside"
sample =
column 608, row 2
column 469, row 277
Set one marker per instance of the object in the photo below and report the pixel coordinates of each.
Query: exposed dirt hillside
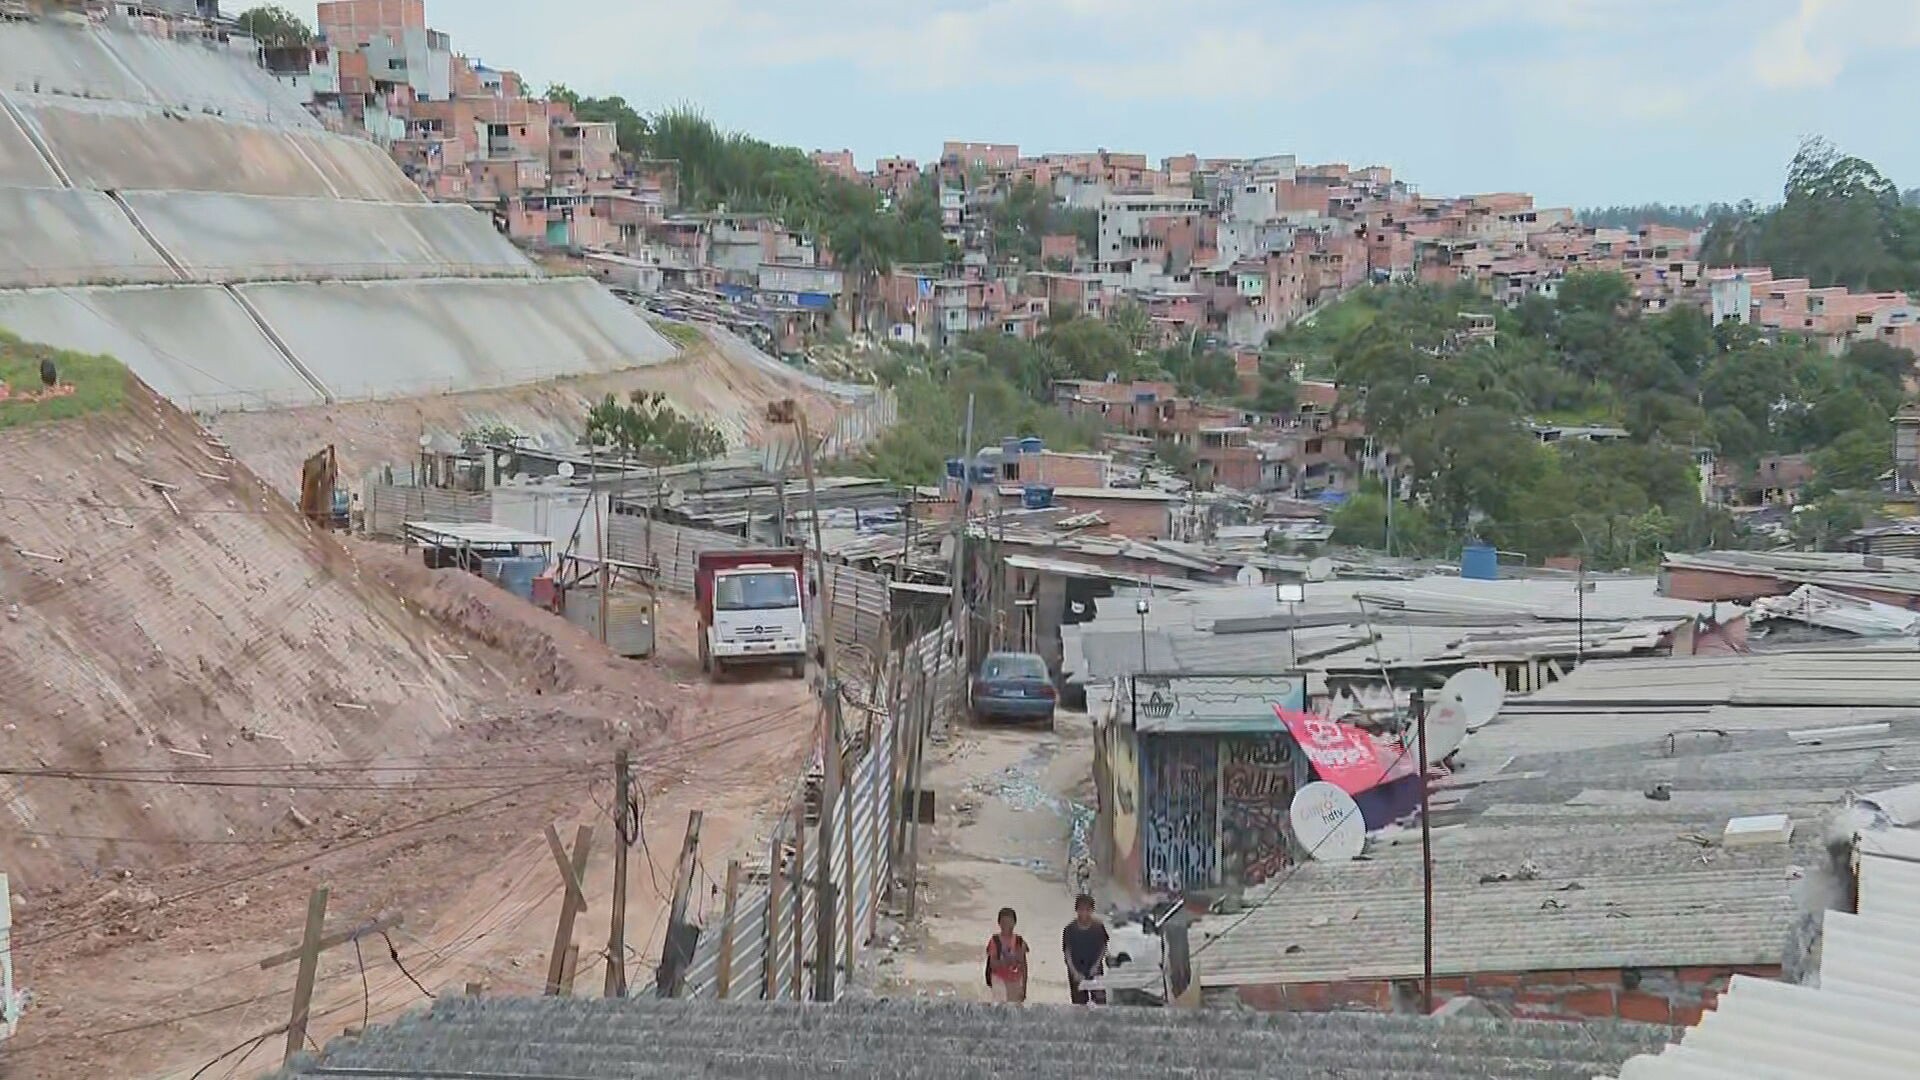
column 703, row 381
column 211, row 710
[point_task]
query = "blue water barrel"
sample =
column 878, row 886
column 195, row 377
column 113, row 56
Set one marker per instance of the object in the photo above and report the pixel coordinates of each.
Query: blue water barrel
column 1032, row 444
column 956, row 468
column 1036, row 496
column 1480, row 562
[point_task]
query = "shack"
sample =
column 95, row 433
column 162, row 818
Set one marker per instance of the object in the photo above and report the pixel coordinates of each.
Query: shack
column 1195, row 775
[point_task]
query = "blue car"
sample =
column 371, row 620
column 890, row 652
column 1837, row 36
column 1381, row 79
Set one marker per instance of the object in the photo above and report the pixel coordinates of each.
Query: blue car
column 1013, row 686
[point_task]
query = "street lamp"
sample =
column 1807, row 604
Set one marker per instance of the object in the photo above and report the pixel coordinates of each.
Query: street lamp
column 1140, row 609
column 1290, row 593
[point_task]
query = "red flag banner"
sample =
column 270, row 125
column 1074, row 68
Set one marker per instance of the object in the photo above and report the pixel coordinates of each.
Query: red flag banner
column 1345, row 756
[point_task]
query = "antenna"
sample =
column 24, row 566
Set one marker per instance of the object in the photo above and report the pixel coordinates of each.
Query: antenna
column 1327, row 823
column 1320, row 569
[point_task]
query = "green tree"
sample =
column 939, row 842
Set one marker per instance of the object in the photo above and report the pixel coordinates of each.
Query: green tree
column 1131, row 322
column 1594, row 291
column 1854, row 461
column 647, row 427
column 272, row 24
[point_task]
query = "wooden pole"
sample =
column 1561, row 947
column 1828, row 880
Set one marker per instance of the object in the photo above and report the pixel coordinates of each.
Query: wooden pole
column 617, row 938
column 677, row 955
column 1426, row 860
column 770, row 968
column 573, row 899
column 569, row 969
column 800, row 903
column 726, row 929
column 309, row 967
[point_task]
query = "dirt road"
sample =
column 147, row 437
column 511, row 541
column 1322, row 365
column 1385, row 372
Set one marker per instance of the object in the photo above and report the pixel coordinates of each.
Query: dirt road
column 1010, row 802
column 154, row 975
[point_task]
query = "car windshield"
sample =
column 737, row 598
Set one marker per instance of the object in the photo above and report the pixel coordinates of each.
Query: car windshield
column 1020, row 666
column 756, row 592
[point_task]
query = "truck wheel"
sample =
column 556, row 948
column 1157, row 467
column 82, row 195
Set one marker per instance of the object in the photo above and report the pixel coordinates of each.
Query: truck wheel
column 797, row 669
column 706, row 659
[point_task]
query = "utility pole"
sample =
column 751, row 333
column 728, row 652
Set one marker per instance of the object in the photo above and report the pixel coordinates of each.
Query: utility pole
column 1426, row 860
column 954, row 580
column 622, row 839
column 831, row 752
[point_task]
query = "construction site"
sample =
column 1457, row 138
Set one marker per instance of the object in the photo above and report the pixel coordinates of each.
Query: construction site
column 227, row 717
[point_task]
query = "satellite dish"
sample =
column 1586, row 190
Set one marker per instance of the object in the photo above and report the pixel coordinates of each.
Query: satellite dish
column 1446, row 728
column 1249, row 575
column 1327, row 823
column 503, row 460
column 426, row 441
column 1320, row 569
column 1479, row 693
column 565, row 470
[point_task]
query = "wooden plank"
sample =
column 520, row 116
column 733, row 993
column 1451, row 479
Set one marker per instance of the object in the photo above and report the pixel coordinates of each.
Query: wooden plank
column 385, row 922
column 677, row 954
column 575, row 871
column 726, row 929
column 309, row 967
column 576, row 894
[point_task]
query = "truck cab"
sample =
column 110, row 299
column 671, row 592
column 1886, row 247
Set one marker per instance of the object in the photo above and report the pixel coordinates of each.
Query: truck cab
column 752, row 610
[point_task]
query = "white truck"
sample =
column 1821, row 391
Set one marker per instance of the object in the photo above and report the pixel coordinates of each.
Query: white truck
column 752, row 609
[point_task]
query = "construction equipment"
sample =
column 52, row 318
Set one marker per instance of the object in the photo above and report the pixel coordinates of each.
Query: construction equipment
column 323, row 502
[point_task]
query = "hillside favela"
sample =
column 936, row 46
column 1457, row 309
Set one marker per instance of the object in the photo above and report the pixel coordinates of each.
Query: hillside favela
column 612, row 539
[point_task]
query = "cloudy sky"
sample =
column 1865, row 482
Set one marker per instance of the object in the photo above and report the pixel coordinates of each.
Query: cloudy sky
column 1580, row 101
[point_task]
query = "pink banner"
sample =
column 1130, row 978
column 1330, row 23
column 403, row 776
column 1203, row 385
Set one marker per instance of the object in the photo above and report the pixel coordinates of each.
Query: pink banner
column 1345, row 756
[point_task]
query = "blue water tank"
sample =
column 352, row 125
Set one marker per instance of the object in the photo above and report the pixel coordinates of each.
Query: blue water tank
column 1036, row 496
column 1032, row 444
column 956, row 468
column 1480, row 562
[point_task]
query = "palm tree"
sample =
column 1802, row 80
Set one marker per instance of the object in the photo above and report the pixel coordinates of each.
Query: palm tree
column 1131, row 322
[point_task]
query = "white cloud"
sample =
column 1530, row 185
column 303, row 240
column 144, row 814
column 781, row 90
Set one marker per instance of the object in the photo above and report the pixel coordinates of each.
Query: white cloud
column 1814, row 46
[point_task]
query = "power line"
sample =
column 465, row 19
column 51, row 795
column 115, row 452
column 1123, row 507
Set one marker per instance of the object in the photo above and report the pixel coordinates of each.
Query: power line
column 394, row 953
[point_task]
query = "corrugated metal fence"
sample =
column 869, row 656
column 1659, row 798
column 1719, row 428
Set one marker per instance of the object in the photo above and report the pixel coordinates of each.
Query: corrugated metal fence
column 387, row 507
column 768, row 949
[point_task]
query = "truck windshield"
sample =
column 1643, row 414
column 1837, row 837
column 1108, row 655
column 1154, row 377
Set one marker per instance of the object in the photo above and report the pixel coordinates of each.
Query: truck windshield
column 756, row 592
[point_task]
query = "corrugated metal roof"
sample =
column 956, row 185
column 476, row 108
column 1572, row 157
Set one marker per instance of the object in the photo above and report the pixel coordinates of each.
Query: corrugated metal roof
column 1569, row 846
column 1855, row 1021
column 1832, row 610
column 643, row 1038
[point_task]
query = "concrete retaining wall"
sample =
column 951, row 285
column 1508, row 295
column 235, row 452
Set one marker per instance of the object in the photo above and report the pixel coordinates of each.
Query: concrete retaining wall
column 20, row 163
column 191, row 343
column 57, row 236
column 109, row 65
column 112, row 146
column 220, row 237
column 394, row 339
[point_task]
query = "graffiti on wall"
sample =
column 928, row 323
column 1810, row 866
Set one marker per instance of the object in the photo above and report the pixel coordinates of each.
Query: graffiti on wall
column 1178, row 814
column 1125, row 764
column 1258, row 777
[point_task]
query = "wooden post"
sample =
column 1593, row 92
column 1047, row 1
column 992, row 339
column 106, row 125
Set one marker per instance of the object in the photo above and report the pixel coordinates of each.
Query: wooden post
column 826, row 893
column 622, row 782
column 800, row 902
column 569, row 969
column 309, row 966
column 726, row 929
column 676, row 956
column 770, row 956
column 573, row 899
column 850, row 896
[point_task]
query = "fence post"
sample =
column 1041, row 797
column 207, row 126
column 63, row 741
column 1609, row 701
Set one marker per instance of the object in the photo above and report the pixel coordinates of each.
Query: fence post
column 726, row 929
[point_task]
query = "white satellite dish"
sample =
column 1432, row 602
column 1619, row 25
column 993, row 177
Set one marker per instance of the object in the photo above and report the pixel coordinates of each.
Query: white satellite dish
column 1446, row 728
column 1327, row 823
column 565, row 470
column 504, row 460
column 1249, row 575
column 426, row 441
column 1320, row 569
column 1480, row 694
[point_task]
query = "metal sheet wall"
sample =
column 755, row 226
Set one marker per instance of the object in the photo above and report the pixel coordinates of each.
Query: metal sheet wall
column 387, row 507
column 764, row 931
